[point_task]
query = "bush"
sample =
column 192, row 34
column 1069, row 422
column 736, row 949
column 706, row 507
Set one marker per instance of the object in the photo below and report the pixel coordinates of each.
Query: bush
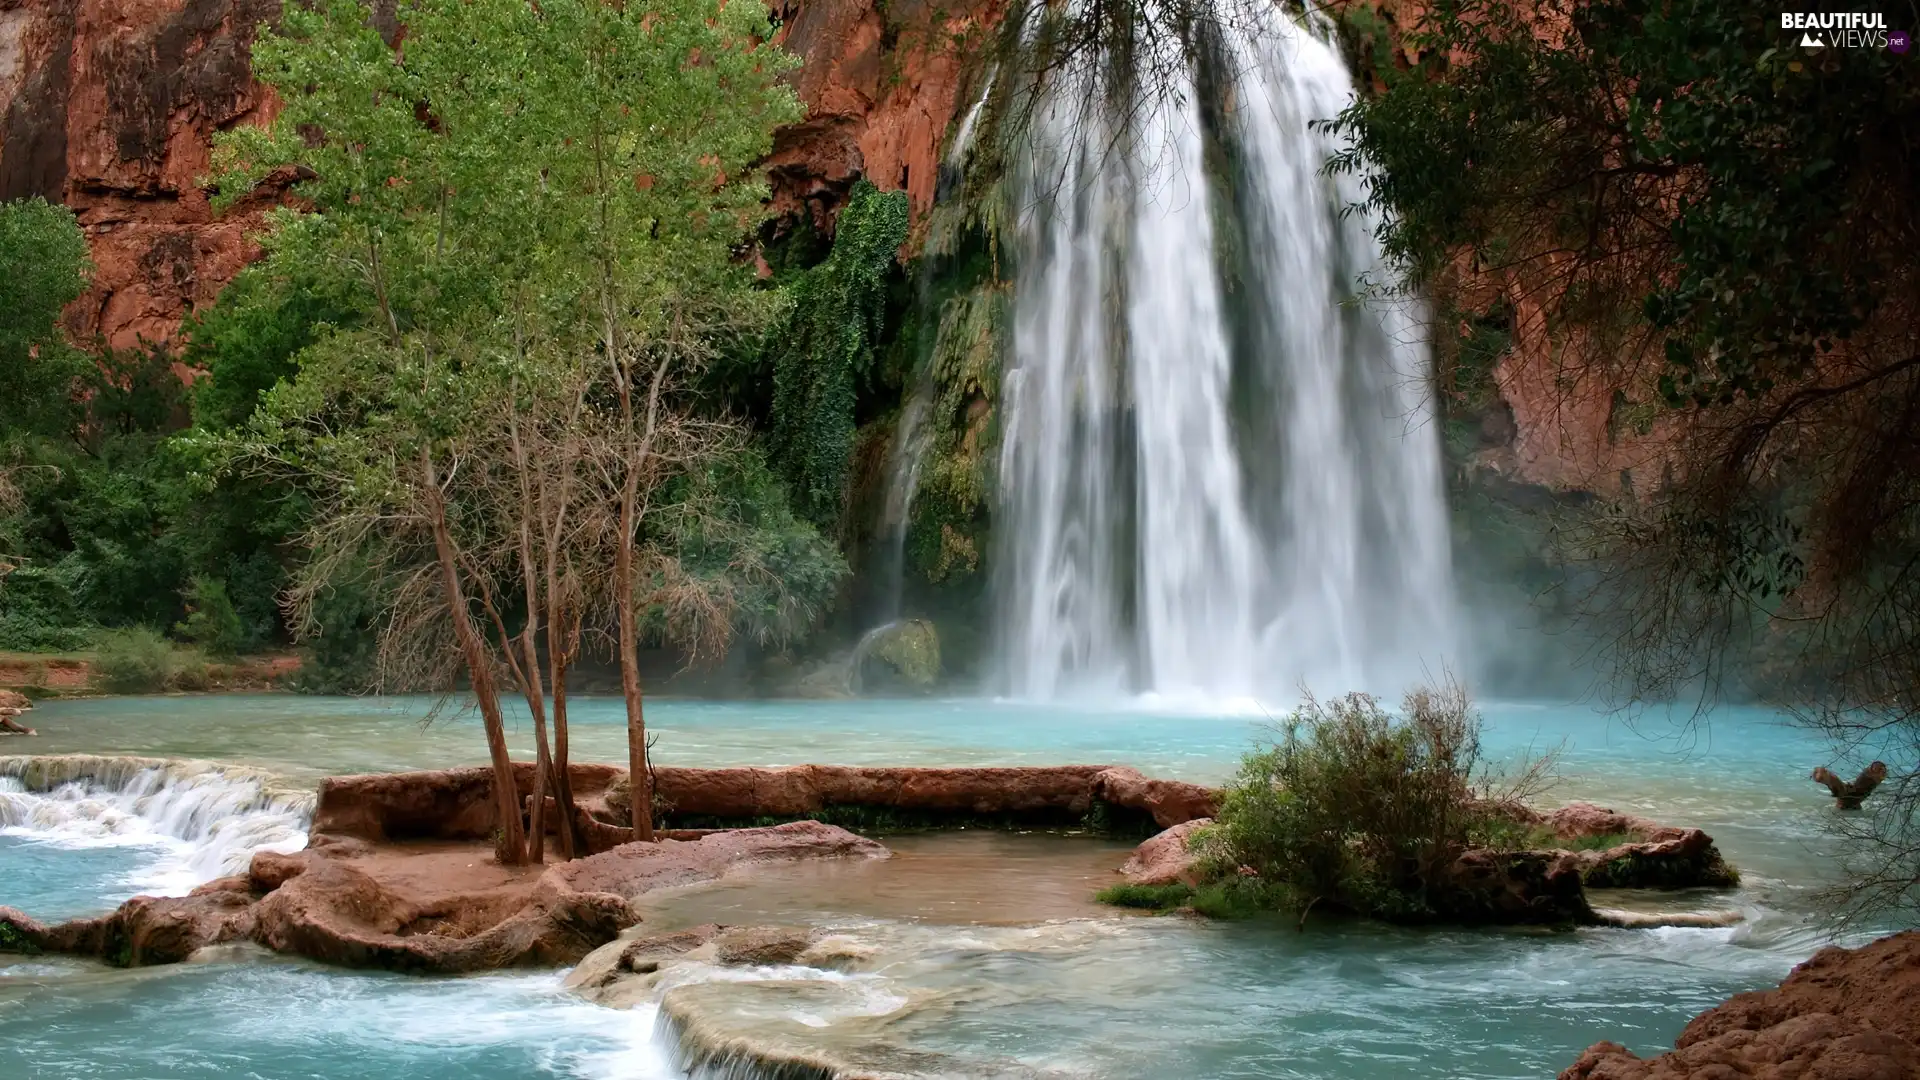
column 212, row 623
column 1358, row 809
column 136, row 661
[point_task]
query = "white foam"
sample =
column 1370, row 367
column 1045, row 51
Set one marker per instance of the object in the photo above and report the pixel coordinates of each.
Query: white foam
column 201, row 820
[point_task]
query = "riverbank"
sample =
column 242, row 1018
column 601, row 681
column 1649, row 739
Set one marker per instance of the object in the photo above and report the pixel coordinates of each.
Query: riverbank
column 41, row 676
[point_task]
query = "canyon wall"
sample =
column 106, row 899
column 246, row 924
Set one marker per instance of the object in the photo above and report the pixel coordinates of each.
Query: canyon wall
column 110, row 107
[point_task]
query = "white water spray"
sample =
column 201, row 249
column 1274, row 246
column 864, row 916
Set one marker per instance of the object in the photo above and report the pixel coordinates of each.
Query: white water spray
column 206, row 820
column 1220, row 475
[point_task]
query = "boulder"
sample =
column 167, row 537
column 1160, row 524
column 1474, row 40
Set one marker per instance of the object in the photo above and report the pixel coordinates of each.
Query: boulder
column 904, row 653
column 1842, row 1015
column 763, row 946
column 1170, row 802
column 1165, row 859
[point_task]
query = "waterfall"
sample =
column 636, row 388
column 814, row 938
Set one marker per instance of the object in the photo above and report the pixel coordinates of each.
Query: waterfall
column 207, row 819
column 1220, row 473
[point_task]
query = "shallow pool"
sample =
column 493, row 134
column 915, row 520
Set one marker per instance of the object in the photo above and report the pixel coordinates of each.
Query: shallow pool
column 1086, row 993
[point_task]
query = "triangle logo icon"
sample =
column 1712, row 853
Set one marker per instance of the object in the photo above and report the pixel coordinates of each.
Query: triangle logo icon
column 1810, row 41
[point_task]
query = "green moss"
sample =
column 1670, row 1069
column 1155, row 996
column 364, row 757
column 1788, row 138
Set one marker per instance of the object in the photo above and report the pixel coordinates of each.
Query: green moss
column 15, row 940
column 1146, row 897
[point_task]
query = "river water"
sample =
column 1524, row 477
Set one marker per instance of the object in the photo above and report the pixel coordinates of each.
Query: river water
column 978, row 945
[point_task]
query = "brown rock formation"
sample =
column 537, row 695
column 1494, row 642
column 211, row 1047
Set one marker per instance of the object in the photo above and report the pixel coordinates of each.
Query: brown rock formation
column 13, row 705
column 429, row 908
column 881, row 82
column 1164, row 858
column 1038, row 795
column 1647, row 854
column 110, row 106
column 1842, row 1015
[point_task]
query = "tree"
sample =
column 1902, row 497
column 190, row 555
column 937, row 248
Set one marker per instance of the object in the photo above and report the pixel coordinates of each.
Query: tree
column 536, row 206
column 43, row 268
column 1680, row 206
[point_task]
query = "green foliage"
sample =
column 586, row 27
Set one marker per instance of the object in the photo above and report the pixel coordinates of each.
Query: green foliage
column 734, row 528
column 828, row 347
column 43, row 268
column 40, row 609
column 1147, row 897
column 211, row 622
column 1678, row 159
column 248, row 339
column 135, row 661
column 339, row 651
column 1357, row 809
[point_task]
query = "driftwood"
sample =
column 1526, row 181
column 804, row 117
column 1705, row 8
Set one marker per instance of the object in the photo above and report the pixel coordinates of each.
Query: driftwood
column 1849, row 796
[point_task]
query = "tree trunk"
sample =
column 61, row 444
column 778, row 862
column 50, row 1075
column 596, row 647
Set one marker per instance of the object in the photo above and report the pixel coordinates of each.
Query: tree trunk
column 1848, row 795
column 511, row 843
column 638, row 775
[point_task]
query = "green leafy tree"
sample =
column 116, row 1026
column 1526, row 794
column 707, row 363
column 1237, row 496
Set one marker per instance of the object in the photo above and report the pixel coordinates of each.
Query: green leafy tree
column 534, row 207
column 43, row 268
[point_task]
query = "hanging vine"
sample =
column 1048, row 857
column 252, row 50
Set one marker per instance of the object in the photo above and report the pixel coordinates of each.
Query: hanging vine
column 828, row 346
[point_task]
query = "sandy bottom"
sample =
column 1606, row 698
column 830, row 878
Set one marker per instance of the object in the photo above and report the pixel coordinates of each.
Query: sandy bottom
column 959, row 878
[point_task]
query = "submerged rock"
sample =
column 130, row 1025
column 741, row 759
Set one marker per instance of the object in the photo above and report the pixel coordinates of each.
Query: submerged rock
column 1842, row 1015
column 752, row 1029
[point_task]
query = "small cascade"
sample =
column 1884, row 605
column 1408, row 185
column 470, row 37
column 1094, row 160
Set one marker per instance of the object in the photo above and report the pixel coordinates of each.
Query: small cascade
column 1220, row 473
column 209, row 817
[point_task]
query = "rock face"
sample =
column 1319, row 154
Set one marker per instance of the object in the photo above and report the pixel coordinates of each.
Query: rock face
column 110, row 107
column 1842, row 1015
column 903, row 654
column 428, row 909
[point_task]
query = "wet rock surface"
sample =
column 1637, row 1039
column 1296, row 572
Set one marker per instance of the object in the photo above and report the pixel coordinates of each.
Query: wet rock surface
column 1165, row 859
column 455, row 804
column 1845, row 1014
column 438, row 908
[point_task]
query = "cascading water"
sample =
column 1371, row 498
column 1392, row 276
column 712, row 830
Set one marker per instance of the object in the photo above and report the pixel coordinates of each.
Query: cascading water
column 1220, row 476
column 203, row 820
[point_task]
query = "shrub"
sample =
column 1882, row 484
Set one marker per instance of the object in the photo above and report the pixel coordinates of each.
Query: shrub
column 136, row 661
column 212, row 623
column 1358, row 809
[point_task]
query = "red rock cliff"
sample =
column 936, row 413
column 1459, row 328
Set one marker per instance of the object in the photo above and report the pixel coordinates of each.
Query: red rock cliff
column 110, row 106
